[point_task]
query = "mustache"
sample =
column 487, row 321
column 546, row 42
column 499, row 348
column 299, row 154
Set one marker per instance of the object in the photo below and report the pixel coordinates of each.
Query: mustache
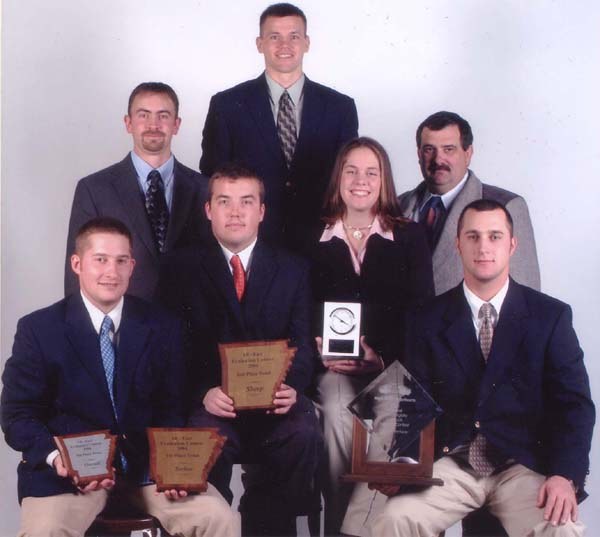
column 433, row 167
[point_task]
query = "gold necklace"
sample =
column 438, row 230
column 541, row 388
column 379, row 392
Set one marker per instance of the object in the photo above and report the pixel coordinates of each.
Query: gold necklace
column 357, row 232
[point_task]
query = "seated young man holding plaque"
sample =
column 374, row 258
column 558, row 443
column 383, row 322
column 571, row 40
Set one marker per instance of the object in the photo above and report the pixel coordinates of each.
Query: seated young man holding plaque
column 240, row 290
column 104, row 363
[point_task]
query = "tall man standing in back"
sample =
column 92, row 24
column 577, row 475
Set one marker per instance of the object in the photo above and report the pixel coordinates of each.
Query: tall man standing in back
column 158, row 198
column 283, row 126
column 445, row 148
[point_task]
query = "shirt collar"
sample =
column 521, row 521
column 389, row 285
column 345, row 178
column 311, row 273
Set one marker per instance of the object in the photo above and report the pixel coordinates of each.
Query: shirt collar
column 244, row 255
column 448, row 197
column 142, row 168
column 276, row 90
column 475, row 302
column 97, row 315
column 337, row 230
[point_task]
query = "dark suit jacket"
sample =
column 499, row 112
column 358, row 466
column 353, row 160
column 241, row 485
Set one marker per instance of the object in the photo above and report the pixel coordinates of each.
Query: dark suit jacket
column 240, row 127
column 115, row 192
column 198, row 284
column 395, row 277
column 54, row 384
column 447, row 265
column 532, row 400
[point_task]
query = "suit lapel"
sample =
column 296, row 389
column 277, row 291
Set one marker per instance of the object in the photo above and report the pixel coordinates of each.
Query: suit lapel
column 460, row 336
column 410, row 201
column 217, row 270
column 133, row 336
column 183, row 196
column 446, row 244
column 313, row 110
column 86, row 345
column 508, row 336
column 262, row 270
column 126, row 184
column 259, row 107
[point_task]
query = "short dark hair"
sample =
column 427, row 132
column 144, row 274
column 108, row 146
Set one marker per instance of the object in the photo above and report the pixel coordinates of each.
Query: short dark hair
column 154, row 87
column 282, row 9
column 234, row 171
column 483, row 205
column 441, row 120
column 101, row 224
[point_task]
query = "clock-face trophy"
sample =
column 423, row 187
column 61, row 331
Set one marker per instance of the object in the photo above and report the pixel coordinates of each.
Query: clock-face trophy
column 341, row 329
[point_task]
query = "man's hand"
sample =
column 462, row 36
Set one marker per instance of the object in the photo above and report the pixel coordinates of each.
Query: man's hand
column 370, row 363
column 61, row 470
column 173, row 494
column 385, row 488
column 285, row 398
column 557, row 496
column 219, row 404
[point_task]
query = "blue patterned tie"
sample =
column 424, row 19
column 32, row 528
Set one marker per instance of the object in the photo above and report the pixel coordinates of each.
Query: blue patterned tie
column 108, row 361
column 108, row 356
column 156, row 207
column 286, row 126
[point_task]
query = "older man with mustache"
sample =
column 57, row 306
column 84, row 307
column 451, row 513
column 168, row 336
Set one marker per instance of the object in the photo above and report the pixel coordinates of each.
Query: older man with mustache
column 445, row 148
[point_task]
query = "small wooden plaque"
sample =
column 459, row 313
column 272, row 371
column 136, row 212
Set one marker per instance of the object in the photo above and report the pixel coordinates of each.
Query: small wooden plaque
column 88, row 456
column 253, row 371
column 181, row 458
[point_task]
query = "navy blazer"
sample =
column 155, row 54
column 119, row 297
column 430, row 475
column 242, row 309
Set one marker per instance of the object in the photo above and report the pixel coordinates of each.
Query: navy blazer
column 532, row 400
column 115, row 192
column 395, row 277
column 198, row 285
column 240, row 127
column 54, row 384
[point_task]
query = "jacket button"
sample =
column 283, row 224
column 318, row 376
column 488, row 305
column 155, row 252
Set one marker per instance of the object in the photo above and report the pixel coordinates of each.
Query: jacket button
column 477, row 425
column 288, row 184
column 445, row 449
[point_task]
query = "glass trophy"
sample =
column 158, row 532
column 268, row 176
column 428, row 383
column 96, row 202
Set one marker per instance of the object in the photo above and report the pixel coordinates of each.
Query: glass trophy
column 393, row 431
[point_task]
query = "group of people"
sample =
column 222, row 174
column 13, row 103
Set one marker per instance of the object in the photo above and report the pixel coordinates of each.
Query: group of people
column 293, row 209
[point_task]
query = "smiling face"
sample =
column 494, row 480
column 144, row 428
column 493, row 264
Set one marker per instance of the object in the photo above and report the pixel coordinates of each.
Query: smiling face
column 152, row 122
column 442, row 158
column 485, row 246
column 104, row 266
column 235, row 212
column 360, row 184
column 283, row 42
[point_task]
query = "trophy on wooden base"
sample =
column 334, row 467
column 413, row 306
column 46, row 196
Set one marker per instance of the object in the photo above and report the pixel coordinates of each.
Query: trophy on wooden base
column 393, row 431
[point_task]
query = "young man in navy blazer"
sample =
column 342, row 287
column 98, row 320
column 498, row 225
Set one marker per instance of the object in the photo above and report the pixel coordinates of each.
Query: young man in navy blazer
column 239, row 289
column 99, row 360
column 504, row 363
column 244, row 125
column 130, row 191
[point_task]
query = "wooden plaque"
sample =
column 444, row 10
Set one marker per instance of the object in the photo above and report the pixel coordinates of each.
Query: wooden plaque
column 396, row 473
column 253, row 371
column 181, row 458
column 88, row 456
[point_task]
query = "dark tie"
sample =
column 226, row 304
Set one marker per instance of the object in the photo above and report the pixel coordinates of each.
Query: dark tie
column 286, row 126
column 478, row 447
column 108, row 357
column 239, row 276
column 432, row 217
column 156, row 207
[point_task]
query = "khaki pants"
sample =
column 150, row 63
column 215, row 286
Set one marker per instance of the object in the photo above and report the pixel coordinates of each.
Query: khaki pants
column 70, row 515
column 510, row 495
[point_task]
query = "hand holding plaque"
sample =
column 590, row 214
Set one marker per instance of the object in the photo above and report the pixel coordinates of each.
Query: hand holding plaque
column 181, row 458
column 88, row 456
column 253, row 371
